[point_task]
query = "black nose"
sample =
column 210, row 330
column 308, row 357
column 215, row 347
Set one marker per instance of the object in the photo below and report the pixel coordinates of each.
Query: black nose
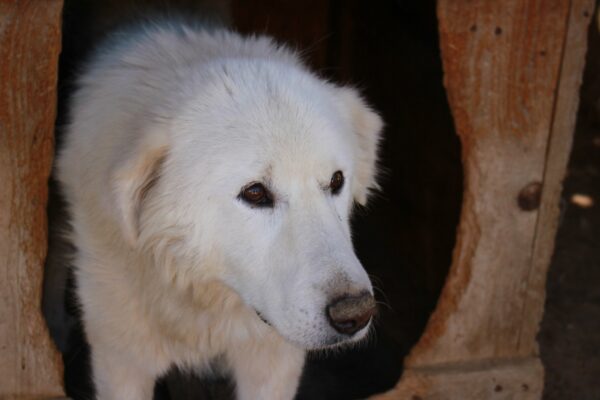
column 349, row 314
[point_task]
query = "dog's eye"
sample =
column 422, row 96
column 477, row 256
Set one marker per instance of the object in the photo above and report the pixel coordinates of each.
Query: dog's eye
column 337, row 182
column 257, row 195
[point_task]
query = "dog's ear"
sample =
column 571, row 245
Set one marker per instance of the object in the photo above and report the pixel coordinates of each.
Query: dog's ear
column 133, row 178
column 367, row 126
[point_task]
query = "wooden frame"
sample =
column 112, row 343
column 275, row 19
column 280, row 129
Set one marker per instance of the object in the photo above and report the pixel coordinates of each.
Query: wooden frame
column 512, row 72
column 30, row 366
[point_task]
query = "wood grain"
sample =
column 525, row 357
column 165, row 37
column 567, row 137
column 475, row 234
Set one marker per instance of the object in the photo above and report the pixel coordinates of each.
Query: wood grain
column 502, row 65
column 559, row 149
column 518, row 379
column 29, row 48
column 512, row 74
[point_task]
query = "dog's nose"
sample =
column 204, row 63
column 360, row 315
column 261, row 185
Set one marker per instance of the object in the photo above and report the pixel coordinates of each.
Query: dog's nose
column 349, row 314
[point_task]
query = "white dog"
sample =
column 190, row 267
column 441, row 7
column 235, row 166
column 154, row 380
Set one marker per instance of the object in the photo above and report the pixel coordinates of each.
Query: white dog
column 210, row 179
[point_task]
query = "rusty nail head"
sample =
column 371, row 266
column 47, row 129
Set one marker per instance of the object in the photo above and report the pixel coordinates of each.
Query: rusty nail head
column 530, row 196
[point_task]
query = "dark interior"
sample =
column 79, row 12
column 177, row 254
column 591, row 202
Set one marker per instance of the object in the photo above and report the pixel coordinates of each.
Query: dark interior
column 389, row 49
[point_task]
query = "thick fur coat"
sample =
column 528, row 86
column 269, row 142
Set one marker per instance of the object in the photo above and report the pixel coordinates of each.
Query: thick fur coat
column 172, row 130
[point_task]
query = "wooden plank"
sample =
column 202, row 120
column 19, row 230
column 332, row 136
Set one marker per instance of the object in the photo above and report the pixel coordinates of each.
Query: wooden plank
column 559, row 149
column 29, row 47
column 502, row 63
column 519, row 379
column 512, row 73
column 26, row 397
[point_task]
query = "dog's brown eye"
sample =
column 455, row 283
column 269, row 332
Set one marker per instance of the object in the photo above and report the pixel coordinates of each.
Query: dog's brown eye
column 257, row 195
column 337, row 182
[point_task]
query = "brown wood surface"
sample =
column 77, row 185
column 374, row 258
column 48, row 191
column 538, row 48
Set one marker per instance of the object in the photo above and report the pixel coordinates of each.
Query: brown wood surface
column 502, row 62
column 515, row 380
column 512, row 73
column 30, row 367
column 559, row 148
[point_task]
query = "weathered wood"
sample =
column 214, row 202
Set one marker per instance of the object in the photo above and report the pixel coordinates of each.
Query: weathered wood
column 30, row 367
column 559, row 149
column 26, row 397
column 501, row 64
column 518, row 379
column 512, row 74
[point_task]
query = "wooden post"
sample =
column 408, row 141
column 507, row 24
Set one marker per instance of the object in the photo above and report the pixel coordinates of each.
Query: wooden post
column 30, row 367
column 513, row 70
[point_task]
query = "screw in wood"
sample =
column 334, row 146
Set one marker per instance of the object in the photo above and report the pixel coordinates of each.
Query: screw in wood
column 530, row 196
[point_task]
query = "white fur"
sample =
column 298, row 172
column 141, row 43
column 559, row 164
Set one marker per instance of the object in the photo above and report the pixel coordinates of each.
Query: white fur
column 168, row 125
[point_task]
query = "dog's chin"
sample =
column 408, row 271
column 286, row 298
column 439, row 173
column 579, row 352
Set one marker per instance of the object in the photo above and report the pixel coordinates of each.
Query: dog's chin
column 337, row 341
column 332, row 341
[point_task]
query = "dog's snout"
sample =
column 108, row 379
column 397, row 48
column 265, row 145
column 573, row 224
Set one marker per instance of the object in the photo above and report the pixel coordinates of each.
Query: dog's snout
column 349, row 314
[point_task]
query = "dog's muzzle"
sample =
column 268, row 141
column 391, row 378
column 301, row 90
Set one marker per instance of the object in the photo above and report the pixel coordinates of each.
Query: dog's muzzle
column 349, row 314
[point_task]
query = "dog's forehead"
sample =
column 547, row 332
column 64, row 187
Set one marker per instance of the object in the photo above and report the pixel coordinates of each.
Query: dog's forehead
column 277, row 122
column 294, row 139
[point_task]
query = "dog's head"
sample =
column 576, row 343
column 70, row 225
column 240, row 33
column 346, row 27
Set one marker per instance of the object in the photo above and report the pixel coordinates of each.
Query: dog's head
column 250, row 179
